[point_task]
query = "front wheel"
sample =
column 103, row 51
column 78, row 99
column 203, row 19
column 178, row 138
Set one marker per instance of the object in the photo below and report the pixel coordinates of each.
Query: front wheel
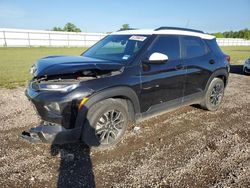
column 214, row 95
column 106, row 123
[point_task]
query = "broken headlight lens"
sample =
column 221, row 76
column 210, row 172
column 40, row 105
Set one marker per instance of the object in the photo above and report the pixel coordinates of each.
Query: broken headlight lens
column 33, row 70
column 57, row 87
column 53, row 107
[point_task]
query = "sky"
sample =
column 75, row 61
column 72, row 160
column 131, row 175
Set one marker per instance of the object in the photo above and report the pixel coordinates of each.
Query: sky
column 108, row 15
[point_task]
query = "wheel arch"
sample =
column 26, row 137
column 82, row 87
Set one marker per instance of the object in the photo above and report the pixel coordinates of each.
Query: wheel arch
column 221, row 73
column 121, row 92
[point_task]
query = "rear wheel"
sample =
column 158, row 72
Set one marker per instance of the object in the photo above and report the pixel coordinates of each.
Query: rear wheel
column 106, row 123
column 214, row 95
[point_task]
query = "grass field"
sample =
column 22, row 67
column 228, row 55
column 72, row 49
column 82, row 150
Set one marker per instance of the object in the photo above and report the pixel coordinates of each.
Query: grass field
column 15, row 62
column 238, row 54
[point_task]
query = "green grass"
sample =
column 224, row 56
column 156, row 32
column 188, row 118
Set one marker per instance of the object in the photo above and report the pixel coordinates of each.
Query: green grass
column 238, row 54
column 15, row 62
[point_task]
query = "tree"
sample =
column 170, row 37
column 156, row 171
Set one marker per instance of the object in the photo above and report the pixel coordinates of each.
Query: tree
column 69, row 27
column 57, row 29
column 244, row 34
column 125, row 27
column 218, row 35
column 241, row 34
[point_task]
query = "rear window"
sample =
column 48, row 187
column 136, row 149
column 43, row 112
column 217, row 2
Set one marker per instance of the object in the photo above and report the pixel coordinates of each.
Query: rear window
column 214, row 46
column 192, row 47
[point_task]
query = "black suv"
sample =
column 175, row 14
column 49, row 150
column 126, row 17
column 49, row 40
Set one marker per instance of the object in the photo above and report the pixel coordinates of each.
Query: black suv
column 126, row 77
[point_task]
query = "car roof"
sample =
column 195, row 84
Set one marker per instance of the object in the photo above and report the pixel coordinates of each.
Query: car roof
column 164, row 32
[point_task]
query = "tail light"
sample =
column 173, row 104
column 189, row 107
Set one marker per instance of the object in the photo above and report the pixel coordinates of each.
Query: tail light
column 228, row 58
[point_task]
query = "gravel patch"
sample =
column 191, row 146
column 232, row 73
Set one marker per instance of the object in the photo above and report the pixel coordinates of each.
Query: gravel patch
column 188, row 147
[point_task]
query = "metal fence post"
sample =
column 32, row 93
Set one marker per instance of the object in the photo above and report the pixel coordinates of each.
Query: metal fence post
column 68, row 39
column 49, row 40
column 4, row 38
column 29, row 39
column 85, row 42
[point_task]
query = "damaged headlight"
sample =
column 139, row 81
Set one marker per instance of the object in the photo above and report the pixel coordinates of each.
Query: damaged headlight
column 57, row 87
column 33, row 70
column 53, row 107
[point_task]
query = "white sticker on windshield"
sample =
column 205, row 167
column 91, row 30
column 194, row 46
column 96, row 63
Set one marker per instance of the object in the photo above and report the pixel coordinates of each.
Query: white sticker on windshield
column 137, row 38
column 125, row 57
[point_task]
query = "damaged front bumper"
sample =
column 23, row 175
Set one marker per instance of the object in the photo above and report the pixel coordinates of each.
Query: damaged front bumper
column 55, row 134
column 58, row 112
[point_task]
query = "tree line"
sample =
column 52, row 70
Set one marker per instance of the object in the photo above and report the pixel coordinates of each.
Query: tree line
column 244, row 34
column 70, row 27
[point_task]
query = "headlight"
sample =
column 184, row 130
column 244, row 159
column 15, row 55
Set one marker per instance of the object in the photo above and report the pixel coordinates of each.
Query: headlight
column 57, row 87
column 53, row 107
column 33, row 69
column 247, row 61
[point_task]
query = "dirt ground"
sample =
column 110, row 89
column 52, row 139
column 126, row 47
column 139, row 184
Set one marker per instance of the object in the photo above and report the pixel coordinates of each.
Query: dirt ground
column 188, row 147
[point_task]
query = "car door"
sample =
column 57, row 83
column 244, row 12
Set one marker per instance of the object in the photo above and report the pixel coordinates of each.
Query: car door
column 198, row 62
column 162, row 82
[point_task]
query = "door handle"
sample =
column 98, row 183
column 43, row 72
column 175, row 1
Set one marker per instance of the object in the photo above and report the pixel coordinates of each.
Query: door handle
column 179, row 67
column 211, row 61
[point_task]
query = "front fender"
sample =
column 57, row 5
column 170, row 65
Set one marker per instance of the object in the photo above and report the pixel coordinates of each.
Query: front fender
column 120, row 92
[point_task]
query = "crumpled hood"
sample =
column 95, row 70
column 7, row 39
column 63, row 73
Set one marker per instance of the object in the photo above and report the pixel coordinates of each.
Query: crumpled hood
column 55, row 65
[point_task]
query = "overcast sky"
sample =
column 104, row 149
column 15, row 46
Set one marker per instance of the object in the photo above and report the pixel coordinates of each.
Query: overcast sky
column 109, row 15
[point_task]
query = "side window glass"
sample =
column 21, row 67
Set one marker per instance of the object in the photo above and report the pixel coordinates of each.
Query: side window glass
column 168, row 45
column 192, row 47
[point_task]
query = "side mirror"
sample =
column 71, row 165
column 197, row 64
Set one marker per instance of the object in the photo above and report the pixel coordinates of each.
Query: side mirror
column 157, row 58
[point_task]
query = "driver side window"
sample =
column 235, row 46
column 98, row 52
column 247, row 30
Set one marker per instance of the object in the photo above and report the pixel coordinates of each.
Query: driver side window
column 166, row 44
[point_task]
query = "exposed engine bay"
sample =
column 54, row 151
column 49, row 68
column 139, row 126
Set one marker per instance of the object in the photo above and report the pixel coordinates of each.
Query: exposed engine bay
column 68, row 79
column 81, row 76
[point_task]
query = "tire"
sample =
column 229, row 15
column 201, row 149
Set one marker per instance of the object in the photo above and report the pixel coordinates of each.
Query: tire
column 214, row 95
column 106, row 124
column 244, row 72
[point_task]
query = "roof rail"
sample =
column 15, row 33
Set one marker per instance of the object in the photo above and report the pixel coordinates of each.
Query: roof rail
column 178, row 28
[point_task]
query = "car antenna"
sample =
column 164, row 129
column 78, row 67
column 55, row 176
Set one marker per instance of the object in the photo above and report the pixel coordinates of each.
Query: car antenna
column 187, row 24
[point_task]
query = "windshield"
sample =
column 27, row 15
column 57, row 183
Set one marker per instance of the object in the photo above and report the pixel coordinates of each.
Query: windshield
column 119, row 48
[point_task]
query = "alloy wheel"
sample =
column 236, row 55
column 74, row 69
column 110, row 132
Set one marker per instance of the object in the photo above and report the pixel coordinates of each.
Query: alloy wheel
column 216, row 94
column 109, row 126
